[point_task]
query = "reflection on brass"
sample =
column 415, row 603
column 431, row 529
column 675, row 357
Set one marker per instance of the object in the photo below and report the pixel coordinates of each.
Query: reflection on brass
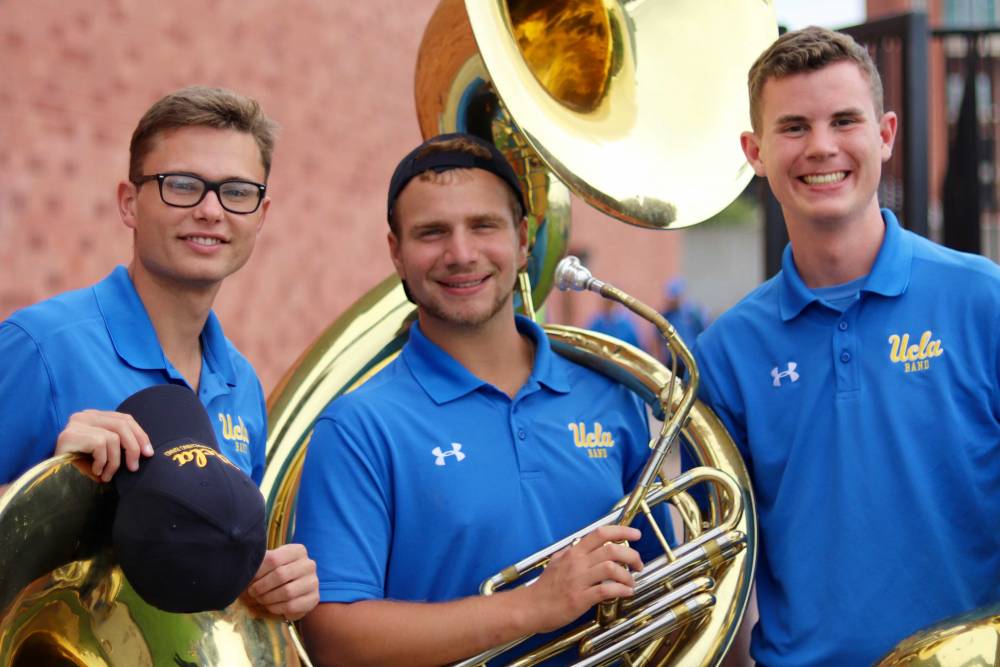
column 968, row 640
column 566, row 44
column 65, row 601
column 636, row 106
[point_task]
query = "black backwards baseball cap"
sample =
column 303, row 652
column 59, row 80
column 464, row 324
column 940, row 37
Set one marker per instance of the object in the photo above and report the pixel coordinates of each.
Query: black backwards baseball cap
column 443, row 160
column 440, row 160
column 189, row 530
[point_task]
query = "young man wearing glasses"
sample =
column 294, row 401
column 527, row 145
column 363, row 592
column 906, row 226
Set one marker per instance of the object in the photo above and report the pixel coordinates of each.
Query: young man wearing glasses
column 195, row 200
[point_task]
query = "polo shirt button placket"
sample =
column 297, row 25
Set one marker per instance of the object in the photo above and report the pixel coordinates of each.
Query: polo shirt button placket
column 525, row 455
column 843, row 340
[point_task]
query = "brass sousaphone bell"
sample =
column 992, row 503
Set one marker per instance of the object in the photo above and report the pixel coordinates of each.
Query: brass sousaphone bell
column 64, row 601
column 636, row 107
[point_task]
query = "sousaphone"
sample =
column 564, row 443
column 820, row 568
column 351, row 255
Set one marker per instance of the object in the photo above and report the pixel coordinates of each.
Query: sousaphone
column 64, row 601
column 635, row 106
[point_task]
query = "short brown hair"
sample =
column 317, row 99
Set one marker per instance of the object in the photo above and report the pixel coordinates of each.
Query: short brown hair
column 808, row 50
column 200, row 106
column 454, row 145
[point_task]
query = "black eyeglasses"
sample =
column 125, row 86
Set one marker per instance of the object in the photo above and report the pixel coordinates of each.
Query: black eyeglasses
column 187, row 191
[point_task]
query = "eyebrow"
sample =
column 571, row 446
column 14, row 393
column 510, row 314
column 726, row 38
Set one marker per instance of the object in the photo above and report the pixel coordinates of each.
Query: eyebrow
column 850, row 112
column 184, row 172
column 486, row 217
column 789, row 118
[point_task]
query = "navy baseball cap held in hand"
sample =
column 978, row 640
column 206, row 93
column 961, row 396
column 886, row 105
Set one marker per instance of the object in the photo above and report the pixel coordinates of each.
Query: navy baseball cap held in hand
column 420, row 160
column 189, row 531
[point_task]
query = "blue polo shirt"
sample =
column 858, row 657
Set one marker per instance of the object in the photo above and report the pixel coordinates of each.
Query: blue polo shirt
column 427, row 480
column 94, row 347
column 872, row 436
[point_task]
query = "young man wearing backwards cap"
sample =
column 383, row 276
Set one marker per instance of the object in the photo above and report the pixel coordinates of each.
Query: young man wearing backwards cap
column 464, row 454
column 861, row 383
column 195, row 200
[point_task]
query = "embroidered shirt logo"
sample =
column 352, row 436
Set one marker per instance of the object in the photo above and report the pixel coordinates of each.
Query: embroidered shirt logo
column 915, row 357
column 790, row 373
column 597, row 441
column 237, row 433
column 199, row 454
column 440, row 456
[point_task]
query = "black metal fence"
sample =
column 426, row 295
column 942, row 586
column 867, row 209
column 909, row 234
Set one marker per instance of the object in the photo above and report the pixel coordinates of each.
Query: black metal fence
column 970, row 212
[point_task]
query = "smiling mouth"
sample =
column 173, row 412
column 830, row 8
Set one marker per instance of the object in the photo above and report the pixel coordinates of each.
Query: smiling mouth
column 824, row 179
column 453, row 284
column 203, row 240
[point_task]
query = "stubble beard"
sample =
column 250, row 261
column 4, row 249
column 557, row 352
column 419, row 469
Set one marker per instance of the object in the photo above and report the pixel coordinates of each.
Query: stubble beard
column 467, row 320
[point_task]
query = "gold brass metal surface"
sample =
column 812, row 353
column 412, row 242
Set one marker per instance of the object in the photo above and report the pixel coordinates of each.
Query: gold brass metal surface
column 961, row 641
column 637, row 106
column 64, row 600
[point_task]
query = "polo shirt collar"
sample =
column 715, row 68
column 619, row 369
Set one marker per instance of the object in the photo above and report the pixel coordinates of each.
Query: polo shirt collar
column 889, row 276
column 134, row 337
column 445, row 379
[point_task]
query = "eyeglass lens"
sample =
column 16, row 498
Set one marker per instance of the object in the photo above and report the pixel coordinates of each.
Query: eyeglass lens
column 237, row 196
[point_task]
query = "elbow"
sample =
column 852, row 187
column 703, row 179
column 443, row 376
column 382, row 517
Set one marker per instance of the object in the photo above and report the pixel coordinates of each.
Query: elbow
column 325, row 642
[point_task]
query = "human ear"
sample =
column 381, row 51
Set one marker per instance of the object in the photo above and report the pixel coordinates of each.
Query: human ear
column 887, row 131
column 393, row 242
column 750, row 143
column 128, row 193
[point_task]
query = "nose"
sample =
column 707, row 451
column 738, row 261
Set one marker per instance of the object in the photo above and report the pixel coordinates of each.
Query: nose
column 461, row 249
column 822, row 143
column 209, row 209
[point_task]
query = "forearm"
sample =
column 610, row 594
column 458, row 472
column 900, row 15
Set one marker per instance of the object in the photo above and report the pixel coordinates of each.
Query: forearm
column 3, row 489
column 389, row 632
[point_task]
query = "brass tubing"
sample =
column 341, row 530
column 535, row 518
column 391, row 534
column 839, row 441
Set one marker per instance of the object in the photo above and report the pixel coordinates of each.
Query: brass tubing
column 646, row 614
column 684, row 613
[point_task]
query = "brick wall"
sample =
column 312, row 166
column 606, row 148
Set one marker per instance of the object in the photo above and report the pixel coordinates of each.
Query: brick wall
column 336, row 75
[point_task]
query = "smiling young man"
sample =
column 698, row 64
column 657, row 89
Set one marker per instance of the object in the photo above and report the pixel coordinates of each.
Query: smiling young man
column 195, row 200
column 860, row 383
column 459, row 458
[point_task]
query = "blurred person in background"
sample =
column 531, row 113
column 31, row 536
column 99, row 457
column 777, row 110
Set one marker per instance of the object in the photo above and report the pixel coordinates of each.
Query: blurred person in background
column 615, row 320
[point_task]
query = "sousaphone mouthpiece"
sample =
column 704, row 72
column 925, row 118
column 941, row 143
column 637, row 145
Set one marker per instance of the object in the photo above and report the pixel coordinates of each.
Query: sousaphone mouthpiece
column 572, row 275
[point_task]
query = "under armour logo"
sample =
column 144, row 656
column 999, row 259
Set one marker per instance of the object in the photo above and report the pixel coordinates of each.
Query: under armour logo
column 456, row 451
column 791, row 374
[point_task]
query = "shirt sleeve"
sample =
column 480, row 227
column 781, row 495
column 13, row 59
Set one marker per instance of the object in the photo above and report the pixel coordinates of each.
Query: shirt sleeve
column 343, row 516
column 713, row 391
column 28, row 423
column 718, row 390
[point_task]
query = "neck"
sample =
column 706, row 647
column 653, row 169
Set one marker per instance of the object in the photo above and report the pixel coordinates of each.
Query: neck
column 178, row 314
column 836, row 253
column 494, row 351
